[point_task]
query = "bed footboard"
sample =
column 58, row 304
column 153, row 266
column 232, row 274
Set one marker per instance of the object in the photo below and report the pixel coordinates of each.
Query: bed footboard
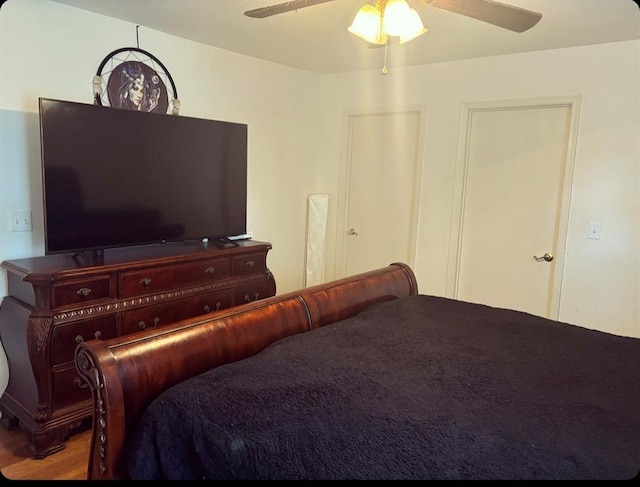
column 127, row 373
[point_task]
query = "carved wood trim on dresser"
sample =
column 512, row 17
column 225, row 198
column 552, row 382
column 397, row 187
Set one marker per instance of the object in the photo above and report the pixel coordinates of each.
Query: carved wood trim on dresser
column 56, row 302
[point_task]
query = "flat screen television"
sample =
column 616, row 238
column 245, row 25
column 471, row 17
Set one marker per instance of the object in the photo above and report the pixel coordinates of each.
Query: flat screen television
column 115, row 178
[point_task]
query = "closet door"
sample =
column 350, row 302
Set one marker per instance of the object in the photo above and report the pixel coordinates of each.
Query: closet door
column 380, row 170
column 514, row 206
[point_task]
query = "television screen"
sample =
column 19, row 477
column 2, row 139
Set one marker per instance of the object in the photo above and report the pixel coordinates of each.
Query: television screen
column 115, row 177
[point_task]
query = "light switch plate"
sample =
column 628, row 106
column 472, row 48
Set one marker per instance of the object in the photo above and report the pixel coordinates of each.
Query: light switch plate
column 20, row 221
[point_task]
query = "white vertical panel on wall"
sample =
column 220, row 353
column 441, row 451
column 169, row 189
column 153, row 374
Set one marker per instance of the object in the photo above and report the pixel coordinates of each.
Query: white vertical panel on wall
column 318, row 204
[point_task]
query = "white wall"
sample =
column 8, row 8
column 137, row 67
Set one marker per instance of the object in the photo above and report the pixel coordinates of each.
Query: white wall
column 295, row 120
column 51, row 50
column 601, row 279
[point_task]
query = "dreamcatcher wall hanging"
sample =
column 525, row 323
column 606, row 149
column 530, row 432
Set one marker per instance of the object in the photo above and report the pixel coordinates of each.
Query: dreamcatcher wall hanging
column 134, row 79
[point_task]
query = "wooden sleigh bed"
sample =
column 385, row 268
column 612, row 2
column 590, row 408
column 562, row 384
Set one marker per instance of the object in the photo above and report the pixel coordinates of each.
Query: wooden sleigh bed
column 364, row 378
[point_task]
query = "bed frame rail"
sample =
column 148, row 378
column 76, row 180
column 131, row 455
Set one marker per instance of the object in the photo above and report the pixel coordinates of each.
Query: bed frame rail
column 127, row 373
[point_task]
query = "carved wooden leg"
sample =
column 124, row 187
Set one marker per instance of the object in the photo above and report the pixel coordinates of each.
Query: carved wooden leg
column 44, row 443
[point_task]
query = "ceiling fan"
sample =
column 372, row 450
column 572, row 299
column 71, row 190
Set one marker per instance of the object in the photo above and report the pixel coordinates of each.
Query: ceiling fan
column 500, row 14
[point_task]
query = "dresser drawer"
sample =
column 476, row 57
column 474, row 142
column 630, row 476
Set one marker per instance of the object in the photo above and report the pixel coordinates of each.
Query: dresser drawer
column 164, row 314
column 140, row 282
column 243, row 265
column 254, row 291
column 65, row 338
column 68, row 388
column 80, row 291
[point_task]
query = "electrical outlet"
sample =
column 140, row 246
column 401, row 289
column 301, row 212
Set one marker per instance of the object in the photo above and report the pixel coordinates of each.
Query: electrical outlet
column 20, row 221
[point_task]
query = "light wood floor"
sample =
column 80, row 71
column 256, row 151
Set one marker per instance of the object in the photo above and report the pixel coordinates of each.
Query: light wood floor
column 67, row 464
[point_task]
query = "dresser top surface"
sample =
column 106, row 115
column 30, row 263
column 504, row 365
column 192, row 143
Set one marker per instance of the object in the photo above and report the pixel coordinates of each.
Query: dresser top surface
column 128, row 257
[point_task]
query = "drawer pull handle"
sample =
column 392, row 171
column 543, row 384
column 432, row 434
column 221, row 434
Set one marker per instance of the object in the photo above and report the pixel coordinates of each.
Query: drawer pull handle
column 250, row 263
column 96, row 335
column 210, row 270
column 83, row 291
column 143, row 326
column 207, row 308
column 145, row 282
column 248, row 299
column 80, row 384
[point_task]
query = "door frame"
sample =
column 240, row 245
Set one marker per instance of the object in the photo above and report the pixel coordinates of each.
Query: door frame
column 344, row 180
column 460, row 181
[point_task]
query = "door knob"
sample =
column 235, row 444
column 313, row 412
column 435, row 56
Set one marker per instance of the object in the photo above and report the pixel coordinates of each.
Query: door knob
column 547, row 257
column 352, row 231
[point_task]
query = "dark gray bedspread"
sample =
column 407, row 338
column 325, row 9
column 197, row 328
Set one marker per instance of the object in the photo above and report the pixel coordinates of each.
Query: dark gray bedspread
column 417, row 388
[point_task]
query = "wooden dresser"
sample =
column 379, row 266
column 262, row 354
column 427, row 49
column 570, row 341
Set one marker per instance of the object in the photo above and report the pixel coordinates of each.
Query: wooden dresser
column 56, row 302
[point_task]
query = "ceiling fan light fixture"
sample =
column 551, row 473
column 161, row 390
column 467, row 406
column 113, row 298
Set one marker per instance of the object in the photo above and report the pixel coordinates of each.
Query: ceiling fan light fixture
column 374, row 23
column 367, row 25
column 412, row 28
column 395, row 15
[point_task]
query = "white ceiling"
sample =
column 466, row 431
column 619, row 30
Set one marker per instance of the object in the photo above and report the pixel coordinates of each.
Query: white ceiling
column 315, row 38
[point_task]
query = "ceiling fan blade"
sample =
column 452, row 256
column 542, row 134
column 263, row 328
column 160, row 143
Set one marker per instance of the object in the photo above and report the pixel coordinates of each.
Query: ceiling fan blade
column 506, row 16
column 260, row 13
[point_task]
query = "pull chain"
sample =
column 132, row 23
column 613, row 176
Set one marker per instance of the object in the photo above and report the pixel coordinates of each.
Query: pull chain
column 137, row 40
column 384, row 68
